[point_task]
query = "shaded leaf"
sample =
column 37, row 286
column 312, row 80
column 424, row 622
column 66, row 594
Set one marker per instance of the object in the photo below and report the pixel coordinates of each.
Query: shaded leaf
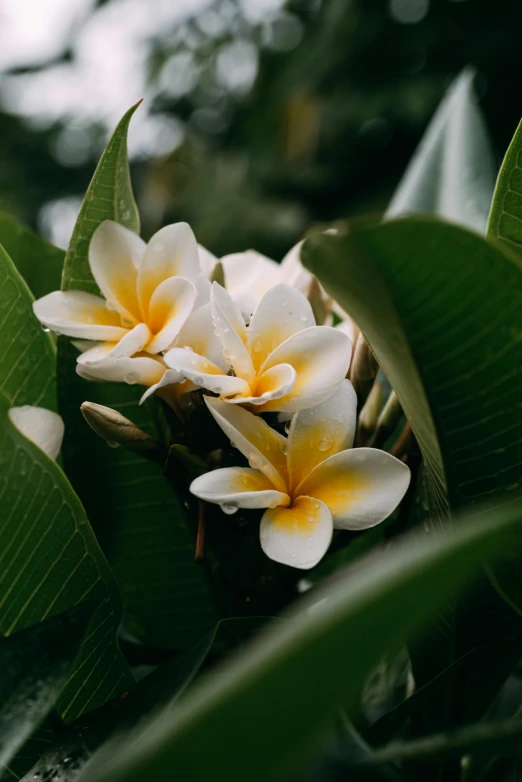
column 441, row 309
column 39, row 262
column 34, row 665
column 263, row 712
column 49, row 558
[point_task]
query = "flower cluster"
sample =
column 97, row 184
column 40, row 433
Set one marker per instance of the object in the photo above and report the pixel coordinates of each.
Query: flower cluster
column 255, row 348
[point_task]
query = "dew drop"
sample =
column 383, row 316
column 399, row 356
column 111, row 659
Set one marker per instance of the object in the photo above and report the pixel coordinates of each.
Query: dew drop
column 112, row 443
column 325, row 444
column 111, row 305
column 257, row 346
column 303, row 318
column 131, row 378
column 126, row 322
column 44, row 328
column 228, row 508
column 255, row 461
column 188, row 348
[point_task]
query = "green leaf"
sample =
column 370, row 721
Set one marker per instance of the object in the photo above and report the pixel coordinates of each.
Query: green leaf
column 74, row 744
column 505, row 219
column 108, row 197
column 263, row 713
column 452, row 173
column 34, row 665
column 49, row 558
column 441, row 309
column 39, row 262
column 139, row 521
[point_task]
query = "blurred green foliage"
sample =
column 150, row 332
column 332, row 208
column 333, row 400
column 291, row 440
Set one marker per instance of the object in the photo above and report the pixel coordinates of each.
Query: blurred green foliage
column 342, row 94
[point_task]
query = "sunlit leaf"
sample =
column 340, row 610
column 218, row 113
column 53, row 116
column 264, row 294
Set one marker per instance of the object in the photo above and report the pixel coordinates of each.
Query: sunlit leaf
column 452, row 173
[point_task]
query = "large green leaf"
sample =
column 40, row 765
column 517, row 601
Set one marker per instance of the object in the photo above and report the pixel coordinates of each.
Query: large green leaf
column 440, row 307
column 39, row 262
column 263, row 713
column 505, row 219
column 34, row 665
column 452, row 173
column 49, row 558
column 138, row 519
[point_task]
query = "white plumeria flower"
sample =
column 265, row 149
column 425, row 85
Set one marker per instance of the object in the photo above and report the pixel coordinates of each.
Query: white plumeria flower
column 310, row 483
column 149, row 291
column 249, row 275
column 281, row 362
column 197, row 334
column 43, row 427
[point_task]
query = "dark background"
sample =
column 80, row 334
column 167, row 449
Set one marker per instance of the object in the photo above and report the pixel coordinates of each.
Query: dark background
column 260, row 118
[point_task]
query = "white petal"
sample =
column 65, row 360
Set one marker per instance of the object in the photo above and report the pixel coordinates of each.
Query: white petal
column 171, row 252
column 169, row 307
column 43, row 427
column 298, row 536
column 257, row 441
column 248, row 275
column 133, row 342
column 199, row 335
column 204, row 373
column 320, row 432
column 320, row 355
column 361, row 487
column 114, row 255
column 79, row 314
column 237, row 487
column 207, row 261
column 231, row 330
column 282, row 312
column 142, row 370
column 203, row 287
column 93, row 351
column 272, row 384
column 170, row 377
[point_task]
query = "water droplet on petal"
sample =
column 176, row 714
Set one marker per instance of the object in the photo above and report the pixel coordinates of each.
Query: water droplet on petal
column 255, row 461
column 111, row 305
column 188, row 348
column 325, row 444
column 44, row 328
column 228, row 508
column 126, row 322
column 112, row 444
column 257, row 346
column 304, row 318
column 131, row 378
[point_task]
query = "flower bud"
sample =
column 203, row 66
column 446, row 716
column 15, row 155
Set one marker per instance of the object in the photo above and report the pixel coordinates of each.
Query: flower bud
column 119, row 431
column 388, row 420
column 363, row 369
column 369, row 415
column 320, row 303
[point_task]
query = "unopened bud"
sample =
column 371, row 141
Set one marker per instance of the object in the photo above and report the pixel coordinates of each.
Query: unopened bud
column 388, row 420
column 363, row 370
column 369, row 415
column 320, row 303
column 119, row 431
column 218, row 274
